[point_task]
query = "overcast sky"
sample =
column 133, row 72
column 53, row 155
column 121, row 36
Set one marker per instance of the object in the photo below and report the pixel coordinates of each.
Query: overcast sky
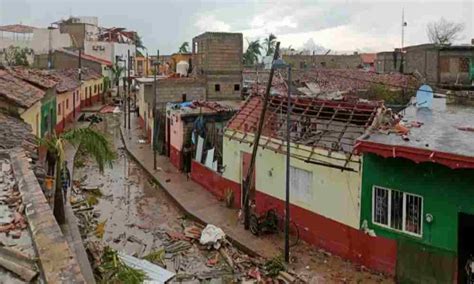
column 336, row 25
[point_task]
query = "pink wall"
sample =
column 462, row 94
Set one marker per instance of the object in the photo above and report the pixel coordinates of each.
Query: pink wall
column 176, row 132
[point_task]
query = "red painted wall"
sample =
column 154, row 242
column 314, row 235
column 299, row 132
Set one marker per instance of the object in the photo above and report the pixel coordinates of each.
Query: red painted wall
column 376, row 253
column 214, row 182
column 176, row 158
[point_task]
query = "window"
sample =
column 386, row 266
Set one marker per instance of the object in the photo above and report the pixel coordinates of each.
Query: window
column 67, row 103
column 95, row 89
column 397, row 210
column 237, row 87
column 217, row 88
column 59, row 109
column 301, row 184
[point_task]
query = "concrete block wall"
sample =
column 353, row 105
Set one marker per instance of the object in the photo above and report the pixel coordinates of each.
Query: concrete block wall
column 217, row 58
column 171, row 90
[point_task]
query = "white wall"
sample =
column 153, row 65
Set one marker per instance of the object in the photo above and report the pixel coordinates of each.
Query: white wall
column 40, row 42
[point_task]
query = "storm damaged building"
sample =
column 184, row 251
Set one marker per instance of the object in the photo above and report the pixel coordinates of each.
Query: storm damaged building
column 217, row 57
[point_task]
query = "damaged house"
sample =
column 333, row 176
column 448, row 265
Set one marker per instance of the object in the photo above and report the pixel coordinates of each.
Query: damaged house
column 417, row 192
column 325, row 174
column 199, row 124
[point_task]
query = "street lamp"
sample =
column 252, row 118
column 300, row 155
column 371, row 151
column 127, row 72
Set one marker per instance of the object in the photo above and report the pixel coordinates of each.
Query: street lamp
column 156, row 65
column 281, row 64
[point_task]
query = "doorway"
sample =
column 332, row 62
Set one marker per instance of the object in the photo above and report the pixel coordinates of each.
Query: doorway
column 465, row 243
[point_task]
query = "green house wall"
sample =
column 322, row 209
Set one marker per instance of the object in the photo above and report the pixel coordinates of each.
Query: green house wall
column 445, row 192
column 48, row 104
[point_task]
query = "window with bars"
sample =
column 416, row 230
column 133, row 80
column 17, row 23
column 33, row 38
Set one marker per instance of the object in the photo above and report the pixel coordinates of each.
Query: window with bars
column 397, row 210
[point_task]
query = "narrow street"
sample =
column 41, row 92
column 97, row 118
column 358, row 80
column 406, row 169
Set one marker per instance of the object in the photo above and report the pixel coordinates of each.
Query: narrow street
column 138, row 216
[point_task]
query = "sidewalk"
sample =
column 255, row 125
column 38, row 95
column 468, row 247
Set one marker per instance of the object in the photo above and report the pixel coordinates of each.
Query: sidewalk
column 193, row 198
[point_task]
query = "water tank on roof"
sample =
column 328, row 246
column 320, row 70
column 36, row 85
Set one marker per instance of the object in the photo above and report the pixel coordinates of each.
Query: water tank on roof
column 182, row 68
column 424, row 97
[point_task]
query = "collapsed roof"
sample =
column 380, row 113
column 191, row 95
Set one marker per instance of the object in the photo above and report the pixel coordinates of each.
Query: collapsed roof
column 318, row 124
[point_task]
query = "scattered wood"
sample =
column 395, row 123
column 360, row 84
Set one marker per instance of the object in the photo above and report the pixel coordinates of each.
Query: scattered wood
column 18, row 263
column 227, row 258
column 287, row 276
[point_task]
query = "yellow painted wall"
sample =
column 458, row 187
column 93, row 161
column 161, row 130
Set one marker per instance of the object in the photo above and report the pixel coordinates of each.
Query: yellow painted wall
column 91, row 84
column 335, row 193
column 66, row 102
column 32, row 116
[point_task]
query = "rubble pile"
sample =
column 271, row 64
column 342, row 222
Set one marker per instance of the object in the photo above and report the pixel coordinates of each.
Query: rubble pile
column 16, row 247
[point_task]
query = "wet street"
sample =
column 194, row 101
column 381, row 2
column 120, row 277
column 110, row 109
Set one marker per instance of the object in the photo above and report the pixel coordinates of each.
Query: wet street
column 139, row 218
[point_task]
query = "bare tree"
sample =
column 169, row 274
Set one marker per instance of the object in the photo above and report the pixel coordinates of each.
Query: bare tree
column 444, row 32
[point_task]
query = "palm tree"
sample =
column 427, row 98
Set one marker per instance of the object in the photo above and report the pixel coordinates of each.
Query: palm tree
column 184, row 47
column 139, row 43
column 117, row 72
column 270, row 43
column 252, row 53
column 93, row 142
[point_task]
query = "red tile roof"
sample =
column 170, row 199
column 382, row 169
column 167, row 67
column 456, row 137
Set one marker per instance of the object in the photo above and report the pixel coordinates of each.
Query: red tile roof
column 18, row 91
column 68, row 80
column 16, row 28
column 87, row 57
column 368, row 58
column 37, row 77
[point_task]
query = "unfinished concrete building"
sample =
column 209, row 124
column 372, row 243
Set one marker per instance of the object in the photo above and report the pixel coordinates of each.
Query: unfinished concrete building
column 217, row 58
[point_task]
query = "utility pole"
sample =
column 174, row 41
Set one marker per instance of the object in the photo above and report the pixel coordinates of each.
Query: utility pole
column 248, row 179
column 155, row 83
column 128, row 85
column 404, row 24
column 287, row 200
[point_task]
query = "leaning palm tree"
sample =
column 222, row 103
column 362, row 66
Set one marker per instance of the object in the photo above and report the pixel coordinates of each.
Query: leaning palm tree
column 253, row 52
column 270, row 43
column 184, row 47
column 93, row 142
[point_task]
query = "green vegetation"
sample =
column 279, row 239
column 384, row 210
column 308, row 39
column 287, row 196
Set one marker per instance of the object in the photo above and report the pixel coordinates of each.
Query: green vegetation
column 156, row 257
column 91, row 141
column 389, row 96
column 17, row 56
column 252, row 53
column 184, row 47
column 113, row 270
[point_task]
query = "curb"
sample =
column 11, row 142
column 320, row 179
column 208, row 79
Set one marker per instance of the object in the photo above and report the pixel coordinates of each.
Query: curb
column 238, row 244
column 77, row 243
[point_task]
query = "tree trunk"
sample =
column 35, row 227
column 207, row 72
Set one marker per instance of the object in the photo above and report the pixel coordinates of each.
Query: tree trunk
column 58, row 197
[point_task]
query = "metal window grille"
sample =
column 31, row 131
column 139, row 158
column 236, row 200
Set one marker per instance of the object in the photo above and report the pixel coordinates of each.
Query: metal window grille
column 397, row 210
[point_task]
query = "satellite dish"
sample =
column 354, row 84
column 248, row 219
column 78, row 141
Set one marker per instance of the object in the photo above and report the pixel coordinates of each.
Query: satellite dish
column 424, row 97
